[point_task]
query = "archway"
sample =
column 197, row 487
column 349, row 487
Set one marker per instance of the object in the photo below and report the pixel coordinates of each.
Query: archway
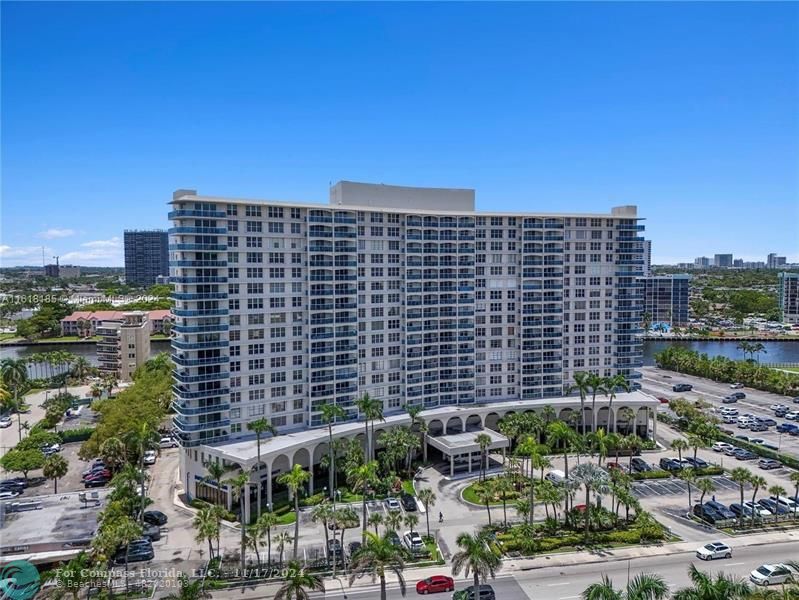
column 491, row 421
column 604, row 419
column 435, row 428
column 454, row 425
column 642, row 422
column 473, row 423
column 569, row 416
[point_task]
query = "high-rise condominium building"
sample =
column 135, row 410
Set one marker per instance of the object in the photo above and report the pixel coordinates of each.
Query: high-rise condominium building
column 666, row 299
column 722, row 260
column 407, row 294
column 789, row 297
column 775, row 262
column 647, row 257
column 701, row 262
column 146, row 256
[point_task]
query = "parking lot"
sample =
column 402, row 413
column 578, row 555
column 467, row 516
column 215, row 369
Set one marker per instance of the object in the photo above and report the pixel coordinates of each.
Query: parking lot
column 674, row 486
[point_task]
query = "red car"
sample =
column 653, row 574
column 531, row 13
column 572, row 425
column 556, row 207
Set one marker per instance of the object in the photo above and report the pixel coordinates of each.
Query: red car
column 663, row 400
column 436, row 583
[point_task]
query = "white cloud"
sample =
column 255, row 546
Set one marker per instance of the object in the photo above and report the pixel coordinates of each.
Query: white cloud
column 53, row 234
column 114, row 242
column 105, row 253
column 11, row 256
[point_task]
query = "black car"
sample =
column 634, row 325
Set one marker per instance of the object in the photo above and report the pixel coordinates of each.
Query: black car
column 796, row 400
column 12, row 486
column 670, row 464
column 408, row 502
column 781, row 412
column 353, row 547
column 706, row 513
column 138, row 551
column 639, row 465
column 15, row 480
column 696, row 463
column 721, row 509
column 96, row 482
column 767, row 421
column 155, row 517
column 394, row 539
column 774, row 507
column 682, row 387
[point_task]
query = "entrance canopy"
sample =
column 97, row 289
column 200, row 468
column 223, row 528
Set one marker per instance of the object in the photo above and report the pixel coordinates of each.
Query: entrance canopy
column 460, row 447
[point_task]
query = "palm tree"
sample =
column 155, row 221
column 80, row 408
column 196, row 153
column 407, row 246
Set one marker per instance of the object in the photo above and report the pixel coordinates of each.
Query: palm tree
column 265, row 523
column 71, row 578
column 331, row 412
column 502, row 487
column 372, row 410
column 280, row 540
column 413, row 413
column 757, row 482
column 362, row 478
column 558, row 433
column 379, row 556
column 393, row 521
column 260, row 427
column 428, row 498
column 794, row 477
column 741, row 476
column 114, row 453
column 679, row 445
column 706, row 587
column 376, row 520
column 645, row 586
column 411, row 521
column 55, row 467
column 597, row 384
column 486, row 493
column 323, row 513
column 189, row 590
column 601, row 442
column 215, row 471
column 142, row 438
column 297, row 582
column 612, row 384
column 240, row 487
column 591, row 477
column 689, row 477
column 207, row 526
column 81, row 368
column 778, row 492
column 483, row 440
column 475, row 557
column 295, row 480
column 582, row 384
column 14, row 374
column 706, row 486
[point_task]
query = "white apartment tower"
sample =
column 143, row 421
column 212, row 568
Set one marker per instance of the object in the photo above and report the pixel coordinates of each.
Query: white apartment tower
column 407, row 294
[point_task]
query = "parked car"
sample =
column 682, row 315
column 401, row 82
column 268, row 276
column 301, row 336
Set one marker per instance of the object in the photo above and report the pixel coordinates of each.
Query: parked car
column 706, row 513
column 720, row 446
column 670, row 464
column 156, row 517
column 168, row 442
column 796, row 400
column 353, row 548
column 758, row 441
column 720, row 508
column 555, row 476
column 682, row 387
column 768, row 574
column 408, row 502
column 733, row 449
column 151, row 532
column 98, row 472
column 714, row 550
column 482, row 592
column 696, row 463
column 736, row 386
column 137, row 551
column 781, row 412
column 12, row 486
column 788, row 503
column 18, row 480
column 786, row 427
column 745, row 422
column 149, row 457
column 394, row 538
column 334, row 549
column 778, row 407
column 663, row 400
column 758, row 426
column 729, row 400
column 743, row 454
column 737, row 395
column 793, row 415
column 414, row 541
column 767, row 421
column 773, row 507
column 729, row 411
column 436, row 583
column 729, row 419
column 758, row 509
column 5, row 422
column 640, row 465
column 738, row 509
column 392, row 504
column 611, row 466
column 9, row 494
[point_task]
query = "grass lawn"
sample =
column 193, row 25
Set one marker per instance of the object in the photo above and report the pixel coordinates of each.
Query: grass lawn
column 791, row 369
column 470, row 495
column 8, row 336
column 407, row 487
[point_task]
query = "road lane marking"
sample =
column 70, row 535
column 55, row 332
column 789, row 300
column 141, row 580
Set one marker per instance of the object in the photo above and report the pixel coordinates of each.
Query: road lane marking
column 559, row 584
column 733, row 564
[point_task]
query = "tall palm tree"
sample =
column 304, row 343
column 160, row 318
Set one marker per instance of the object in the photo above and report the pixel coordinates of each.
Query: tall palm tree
column 206, row 526
column 411, row 521
column 794, row 478
column 645, row 586
column 582, row 384
column 376, row 520
column 486, row 494
column 298, row 582
column 372, row 410
column 323, row 513
column 393, row 521
column 428, row 498
column 215, row 471
column 706, row 486
column 294, row 480
column 741, row 476
column 413, row 413
column 71, row 578
column 778, row 492
column 189, row 590
column 362, row 478
column 55, row 467
column 679, row 445
column 592, row 478
column 14, row 374
column 483, row 440
column 616, row 382
column 560, row 434
column 600, row 441
column 706, row 587
column 141, row 439
column 81, row 368
column 377, row 557
column 474, row 557
column 757, row 482
column 260, row 427
column 280, row 540
column 240, row 487
column 689, row 477
column 502, row 487
column 331, row 412
column 597, row 384
column 265, row 523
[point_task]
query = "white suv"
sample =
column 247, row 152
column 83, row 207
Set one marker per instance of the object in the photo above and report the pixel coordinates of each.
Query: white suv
column 768, row 574
column 793, row 415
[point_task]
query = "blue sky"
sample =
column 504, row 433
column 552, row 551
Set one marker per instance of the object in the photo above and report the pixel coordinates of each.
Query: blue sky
column 689, row 110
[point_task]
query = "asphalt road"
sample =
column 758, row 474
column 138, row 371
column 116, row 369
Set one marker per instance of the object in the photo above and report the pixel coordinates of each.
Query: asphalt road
column 568, row 583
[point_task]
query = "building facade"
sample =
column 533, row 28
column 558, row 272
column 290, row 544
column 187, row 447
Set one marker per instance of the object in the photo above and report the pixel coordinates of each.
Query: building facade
column 666, row 299
column 407, row 294
column 647, row 258
column 775, row 262
column 124, row 346
column 146, row 257
column 722, row 260
column 789, row 297
column 701, row 262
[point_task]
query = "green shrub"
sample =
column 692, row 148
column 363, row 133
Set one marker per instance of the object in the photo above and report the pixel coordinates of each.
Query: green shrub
column 313, row 500
column 79, row 434
column 226, row 515
column 655, row 474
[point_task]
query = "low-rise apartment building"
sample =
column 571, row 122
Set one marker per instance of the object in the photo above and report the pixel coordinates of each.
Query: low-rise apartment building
column 124, row 346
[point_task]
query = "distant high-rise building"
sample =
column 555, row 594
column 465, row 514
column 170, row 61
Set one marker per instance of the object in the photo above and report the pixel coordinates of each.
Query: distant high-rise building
column 666, row 298
column 647, row 257
column 701, row 262
column 146, row 256
column 62, row 271
column 738, row 263
column 51, row 270
column 722, row 260
column 789, row 297
column 775, row 262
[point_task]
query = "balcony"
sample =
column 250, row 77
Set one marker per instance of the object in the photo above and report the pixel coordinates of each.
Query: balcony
column 200, row 328
column 185, row 213
column 198, row 263
column 630, row 227
column 194, row 280
column 216, row 344
column 212, row 393
column 185, row 378
column 188, row 427
column 185, row 247
column 198, row 230
column 184, row 408
column 184, row 361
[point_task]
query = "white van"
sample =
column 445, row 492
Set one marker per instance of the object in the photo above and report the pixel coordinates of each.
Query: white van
column 73, row 413
column 555, row 476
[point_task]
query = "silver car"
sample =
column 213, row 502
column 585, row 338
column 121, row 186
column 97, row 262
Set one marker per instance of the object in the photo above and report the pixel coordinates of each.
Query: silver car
column 768, row 574
column 714, row 550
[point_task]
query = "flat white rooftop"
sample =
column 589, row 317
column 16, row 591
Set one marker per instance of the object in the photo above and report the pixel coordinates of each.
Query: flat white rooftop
column 461, row 443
